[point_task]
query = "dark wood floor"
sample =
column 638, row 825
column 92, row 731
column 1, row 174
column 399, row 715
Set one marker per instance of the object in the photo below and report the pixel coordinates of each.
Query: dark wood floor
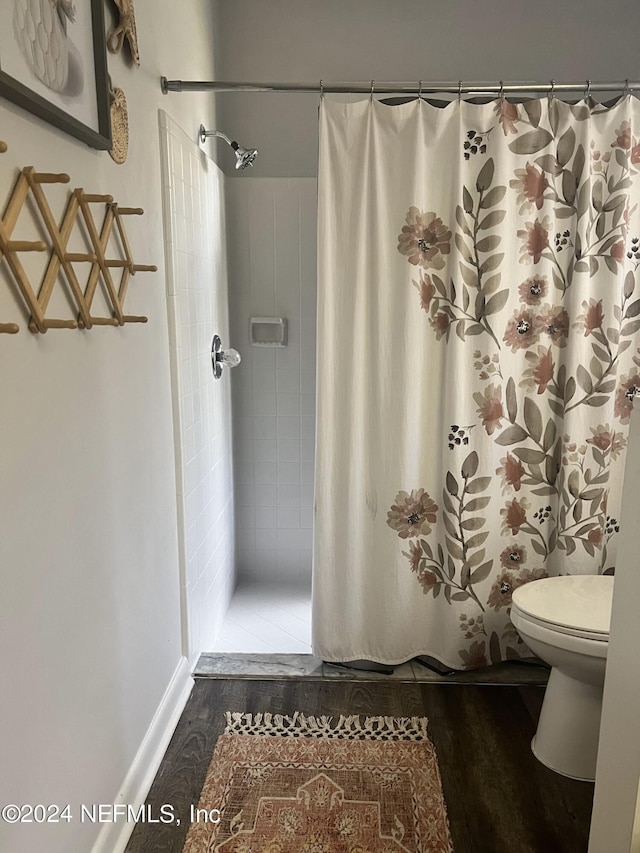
column 499, row 798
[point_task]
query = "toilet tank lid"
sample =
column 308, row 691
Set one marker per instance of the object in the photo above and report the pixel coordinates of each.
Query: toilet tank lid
column 582, row 602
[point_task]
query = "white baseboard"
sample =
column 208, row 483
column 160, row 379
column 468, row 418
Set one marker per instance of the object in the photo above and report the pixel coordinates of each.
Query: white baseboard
column 113, row 837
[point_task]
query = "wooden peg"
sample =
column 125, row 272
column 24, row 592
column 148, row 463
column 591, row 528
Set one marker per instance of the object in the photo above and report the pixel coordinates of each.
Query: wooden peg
column 79, row 256
column 8, row 328
column 130, row 211
column 3, row 148
column 131, row 318
column 97, row 321
column 26, row 246
column 105, row 321
column 60, row 324
column 144, row 268
column 107, row 199
column 52, row 324
column 50, row 178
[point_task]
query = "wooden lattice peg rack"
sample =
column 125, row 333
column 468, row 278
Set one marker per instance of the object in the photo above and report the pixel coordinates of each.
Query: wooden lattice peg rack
column 61, row 260
column 127, row 264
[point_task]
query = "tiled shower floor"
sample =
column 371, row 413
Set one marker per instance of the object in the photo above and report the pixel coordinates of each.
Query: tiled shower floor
column 267, row 619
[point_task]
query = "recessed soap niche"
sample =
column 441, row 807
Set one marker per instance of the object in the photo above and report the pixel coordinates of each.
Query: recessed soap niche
column 268, row 331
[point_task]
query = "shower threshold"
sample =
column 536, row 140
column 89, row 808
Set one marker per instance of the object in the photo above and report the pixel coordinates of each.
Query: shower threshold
column 267, row 666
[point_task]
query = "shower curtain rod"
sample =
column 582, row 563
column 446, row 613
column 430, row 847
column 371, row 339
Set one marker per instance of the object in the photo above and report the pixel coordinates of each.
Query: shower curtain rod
column 419, row 88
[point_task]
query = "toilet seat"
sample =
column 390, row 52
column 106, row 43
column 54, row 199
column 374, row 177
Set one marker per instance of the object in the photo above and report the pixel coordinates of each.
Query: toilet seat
column 598, row 636
column 578, row 605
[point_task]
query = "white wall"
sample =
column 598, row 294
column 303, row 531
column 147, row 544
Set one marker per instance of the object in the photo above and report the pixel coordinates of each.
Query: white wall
column 195, row 245
column 89, row 612
column 398, row 40
column 272, row 272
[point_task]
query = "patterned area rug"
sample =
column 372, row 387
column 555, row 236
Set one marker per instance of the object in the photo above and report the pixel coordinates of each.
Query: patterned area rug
column 320, row 785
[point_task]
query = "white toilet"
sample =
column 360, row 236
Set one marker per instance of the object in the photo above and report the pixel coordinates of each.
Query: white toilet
column 565, row 622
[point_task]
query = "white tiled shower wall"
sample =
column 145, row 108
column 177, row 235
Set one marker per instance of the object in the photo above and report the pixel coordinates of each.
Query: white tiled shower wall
column 197, row 296
column 272, row 272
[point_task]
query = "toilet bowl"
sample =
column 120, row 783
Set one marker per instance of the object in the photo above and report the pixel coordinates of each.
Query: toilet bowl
column 565, row 622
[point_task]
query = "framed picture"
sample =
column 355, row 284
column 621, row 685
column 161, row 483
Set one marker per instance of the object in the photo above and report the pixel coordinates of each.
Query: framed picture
column 53, row 63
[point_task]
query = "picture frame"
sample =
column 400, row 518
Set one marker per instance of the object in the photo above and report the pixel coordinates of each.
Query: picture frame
column 59, row 75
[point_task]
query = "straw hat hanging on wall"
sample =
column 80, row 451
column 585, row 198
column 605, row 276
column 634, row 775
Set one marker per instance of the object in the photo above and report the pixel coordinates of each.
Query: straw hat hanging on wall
column 126, row 28
column 119, row 125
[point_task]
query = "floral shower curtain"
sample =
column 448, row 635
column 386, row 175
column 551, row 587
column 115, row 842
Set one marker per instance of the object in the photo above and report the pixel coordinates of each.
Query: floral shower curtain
column 478, row 330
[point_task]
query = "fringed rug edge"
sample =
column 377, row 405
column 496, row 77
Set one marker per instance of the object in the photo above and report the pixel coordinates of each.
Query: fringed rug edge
column 351, row 727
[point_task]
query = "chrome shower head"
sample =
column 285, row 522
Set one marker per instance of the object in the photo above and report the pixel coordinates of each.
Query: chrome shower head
column 244, row 156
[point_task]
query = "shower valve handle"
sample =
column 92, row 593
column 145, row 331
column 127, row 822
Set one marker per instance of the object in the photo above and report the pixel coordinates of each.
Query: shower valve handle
column 220, row 357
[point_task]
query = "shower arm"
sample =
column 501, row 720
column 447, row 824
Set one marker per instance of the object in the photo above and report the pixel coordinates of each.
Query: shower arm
column 457, row 88
column 244, row 156
column 205, row 134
